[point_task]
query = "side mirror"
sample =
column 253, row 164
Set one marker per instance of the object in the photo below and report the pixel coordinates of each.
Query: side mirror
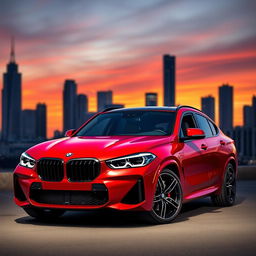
column 193, row 134
column 69, row 133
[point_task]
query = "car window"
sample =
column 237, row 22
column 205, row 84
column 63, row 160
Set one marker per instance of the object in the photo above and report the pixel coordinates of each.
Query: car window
column 187, row 122
column 213, row 128
column 204, row 125
column 140, row 123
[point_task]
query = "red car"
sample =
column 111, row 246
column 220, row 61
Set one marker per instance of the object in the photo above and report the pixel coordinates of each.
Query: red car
column 150, row 159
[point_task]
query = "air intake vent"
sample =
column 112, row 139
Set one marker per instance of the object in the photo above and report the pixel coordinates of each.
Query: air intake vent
column 63, row 197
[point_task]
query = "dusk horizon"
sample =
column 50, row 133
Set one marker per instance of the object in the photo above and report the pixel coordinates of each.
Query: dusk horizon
column 213, row 45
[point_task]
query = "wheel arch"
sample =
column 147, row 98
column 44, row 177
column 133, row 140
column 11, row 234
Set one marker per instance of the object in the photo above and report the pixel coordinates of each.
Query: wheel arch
column 174, row 166
column 232, row 160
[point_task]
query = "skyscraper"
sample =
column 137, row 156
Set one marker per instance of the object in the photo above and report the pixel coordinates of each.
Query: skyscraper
column 247, row 116
column 28, row 125
column 69, row 105
column 254, row 111
column 82, row 109
column 226, row 108
column 208, row 106
column 169, row 80
column 41, row 121
column 11, row 100
column 104, row 98
column 151, row 98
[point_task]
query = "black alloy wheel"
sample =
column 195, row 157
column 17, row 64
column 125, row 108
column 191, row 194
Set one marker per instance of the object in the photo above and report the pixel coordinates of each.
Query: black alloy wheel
column 167, row 201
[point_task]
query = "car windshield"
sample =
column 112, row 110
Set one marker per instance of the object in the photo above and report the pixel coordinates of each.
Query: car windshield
column 140, row 123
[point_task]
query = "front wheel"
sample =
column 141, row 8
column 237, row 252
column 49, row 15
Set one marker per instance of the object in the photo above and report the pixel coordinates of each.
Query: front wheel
column 167, row 201
column 227, row 196
column 43, row 214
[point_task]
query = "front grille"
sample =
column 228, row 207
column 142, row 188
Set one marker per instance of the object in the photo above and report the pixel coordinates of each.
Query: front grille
column 50, row 169
column 79, row 170
column 69, row 197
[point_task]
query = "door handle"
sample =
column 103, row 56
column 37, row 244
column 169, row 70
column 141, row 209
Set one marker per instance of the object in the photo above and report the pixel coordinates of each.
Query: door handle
column 204, row 147
column 222, row 142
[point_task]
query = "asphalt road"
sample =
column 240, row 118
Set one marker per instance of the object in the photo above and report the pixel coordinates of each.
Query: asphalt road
column 201, row 229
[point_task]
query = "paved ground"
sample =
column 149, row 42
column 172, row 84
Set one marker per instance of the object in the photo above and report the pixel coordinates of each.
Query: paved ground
column 201, row 229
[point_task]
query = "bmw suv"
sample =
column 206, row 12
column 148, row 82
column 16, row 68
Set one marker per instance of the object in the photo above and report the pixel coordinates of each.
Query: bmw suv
column 150, row 159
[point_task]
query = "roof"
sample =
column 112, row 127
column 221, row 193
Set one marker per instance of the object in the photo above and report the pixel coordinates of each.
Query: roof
column 172, row 108
column 141, row 109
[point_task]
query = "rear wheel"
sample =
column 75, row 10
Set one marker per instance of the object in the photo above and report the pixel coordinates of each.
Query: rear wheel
column 227, row 196
column 168, row 198
column 43, row 214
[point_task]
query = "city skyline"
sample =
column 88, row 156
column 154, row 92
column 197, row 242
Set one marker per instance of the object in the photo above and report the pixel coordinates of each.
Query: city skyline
column 28, row 126
column 93, row 48
column 75, row 106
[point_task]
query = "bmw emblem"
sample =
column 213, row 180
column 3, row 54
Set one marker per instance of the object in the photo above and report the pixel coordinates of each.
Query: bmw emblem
column 69, row 154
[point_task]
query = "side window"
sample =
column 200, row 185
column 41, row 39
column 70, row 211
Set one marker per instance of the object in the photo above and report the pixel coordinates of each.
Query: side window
column 187, row 122
column 204, row 125
column 213, row 128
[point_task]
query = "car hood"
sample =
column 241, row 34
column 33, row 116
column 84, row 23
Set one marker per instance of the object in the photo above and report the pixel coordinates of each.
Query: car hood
column 101, row 147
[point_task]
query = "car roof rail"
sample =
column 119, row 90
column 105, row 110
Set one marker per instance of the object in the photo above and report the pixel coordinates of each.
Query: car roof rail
column 111, row 108
column 185, row 106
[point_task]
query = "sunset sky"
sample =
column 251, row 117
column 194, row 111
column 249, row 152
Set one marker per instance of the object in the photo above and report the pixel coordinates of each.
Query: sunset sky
column 118, row 45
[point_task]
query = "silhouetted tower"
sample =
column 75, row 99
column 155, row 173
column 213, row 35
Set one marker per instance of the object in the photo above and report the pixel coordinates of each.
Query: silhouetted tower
column 169, row 80
column 69, row 105
column 226, row 108
column 11, row 100
column 41, row 121
column 208, row 106
column 104, row 98
column 82, row 109
column 247, row 116
column 254, row 111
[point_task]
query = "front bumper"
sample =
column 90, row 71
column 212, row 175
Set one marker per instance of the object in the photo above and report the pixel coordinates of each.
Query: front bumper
column 122, row 189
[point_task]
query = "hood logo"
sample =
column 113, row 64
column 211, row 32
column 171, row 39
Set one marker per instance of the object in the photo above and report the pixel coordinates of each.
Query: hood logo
column 69, row 154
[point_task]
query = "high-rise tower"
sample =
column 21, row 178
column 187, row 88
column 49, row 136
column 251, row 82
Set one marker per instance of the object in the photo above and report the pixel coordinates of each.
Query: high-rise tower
column 169, row 80
column 226, row 108
column 69, row 105
column 11, row 100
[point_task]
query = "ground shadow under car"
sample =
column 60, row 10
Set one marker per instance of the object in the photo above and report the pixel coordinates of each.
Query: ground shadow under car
column 106, row 218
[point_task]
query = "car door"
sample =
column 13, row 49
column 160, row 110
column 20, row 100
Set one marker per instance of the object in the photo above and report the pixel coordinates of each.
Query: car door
column 193, row 157
column 215, row 147
column 211, row 148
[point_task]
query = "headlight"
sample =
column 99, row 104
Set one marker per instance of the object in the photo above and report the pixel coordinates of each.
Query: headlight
column 131, row 161
column 27, row 161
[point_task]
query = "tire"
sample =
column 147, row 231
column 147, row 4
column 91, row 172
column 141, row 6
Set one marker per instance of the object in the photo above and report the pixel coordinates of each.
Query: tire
column 168, row 197
column 227, row 196
column 43, row 214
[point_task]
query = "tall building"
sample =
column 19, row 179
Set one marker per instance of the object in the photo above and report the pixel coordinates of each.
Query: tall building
column 82, row 109
column 208, row 106
column 254, row 111
column 69, row 105
column 104, row 98
column 247, row 116
column 169, row 80
column 151, row 99
column 11, row 100
column 28, row 125
column 41, row 121
column 226, row 108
